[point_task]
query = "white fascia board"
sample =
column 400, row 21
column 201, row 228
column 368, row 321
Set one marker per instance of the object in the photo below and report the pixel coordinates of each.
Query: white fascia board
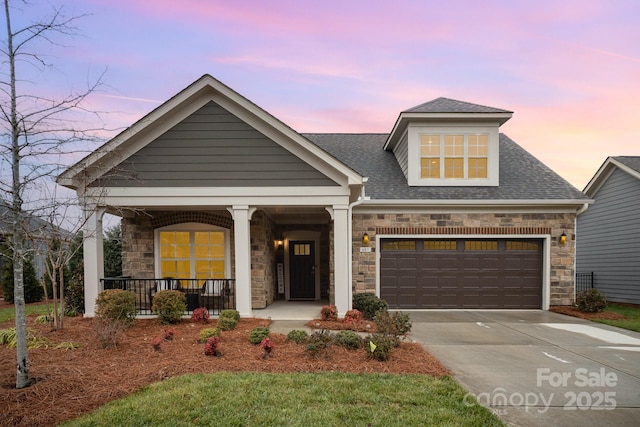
column 604, row 172
column 227, row 196
column 488, row 205
column 178, row 192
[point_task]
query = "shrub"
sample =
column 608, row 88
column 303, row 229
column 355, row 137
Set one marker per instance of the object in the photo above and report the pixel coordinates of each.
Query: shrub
column 231, row 314
column 258, row 334
column 348, row 339
column 380, row 346
column 211, row 347
column 267, row 346
column 200, row 315
column 169, row 305
column 74, row 296
column 353, row 316
column 396, row 324
column 33, row 290
column 226, row 323
column 207, row 333
column 116, row 304
column 329, row 312
column 108, row 330
column 319, row 343
column 591, row 301
column 369, row 304
column 168, row 334
column 156, row 343
column 298, row 336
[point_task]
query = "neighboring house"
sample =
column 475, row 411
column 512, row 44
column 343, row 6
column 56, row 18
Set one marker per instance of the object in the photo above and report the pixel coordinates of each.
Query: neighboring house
column 608, row 233
column 443, row 212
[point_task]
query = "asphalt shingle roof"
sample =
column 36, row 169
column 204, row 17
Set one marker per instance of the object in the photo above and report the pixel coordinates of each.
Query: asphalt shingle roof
column 522, row 176
column 448, row 105
column 631, row 161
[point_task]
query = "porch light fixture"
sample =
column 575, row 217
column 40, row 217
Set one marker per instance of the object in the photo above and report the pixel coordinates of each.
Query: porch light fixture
column 563, row 239
column 279, row 243
column 365, row 239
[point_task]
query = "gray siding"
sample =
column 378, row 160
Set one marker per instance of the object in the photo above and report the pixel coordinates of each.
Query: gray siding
column 402, row 154
column 608, row 238
column 213, row 148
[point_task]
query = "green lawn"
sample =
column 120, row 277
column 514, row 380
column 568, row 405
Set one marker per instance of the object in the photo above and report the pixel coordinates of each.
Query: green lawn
column 294, row 399
column 10, row 312
column 632, row 314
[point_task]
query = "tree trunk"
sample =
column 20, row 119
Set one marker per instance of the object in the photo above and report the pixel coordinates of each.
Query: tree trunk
column 22, row 353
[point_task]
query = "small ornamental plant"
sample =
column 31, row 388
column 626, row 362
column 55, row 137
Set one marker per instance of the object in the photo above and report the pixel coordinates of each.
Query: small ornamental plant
column 200, row 315
column 207, row 333
column 258, row 334
column 329, row 312
column 168, row 334
column 353, row 316
column 157, row 342
column 267, row 346
column 211, row 347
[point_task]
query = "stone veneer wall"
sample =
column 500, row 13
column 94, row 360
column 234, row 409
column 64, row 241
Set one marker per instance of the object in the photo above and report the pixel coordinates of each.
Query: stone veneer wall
column 138, row 260
column 562, row 257
column 263, row 260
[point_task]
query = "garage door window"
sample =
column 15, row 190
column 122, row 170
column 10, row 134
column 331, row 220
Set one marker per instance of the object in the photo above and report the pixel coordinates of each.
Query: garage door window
column 402, row 245
column 480, row 245
column 439, row 245
column 522, row 246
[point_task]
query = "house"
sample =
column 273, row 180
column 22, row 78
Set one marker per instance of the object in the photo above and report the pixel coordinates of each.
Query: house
column 443, row 212
column 608, row 233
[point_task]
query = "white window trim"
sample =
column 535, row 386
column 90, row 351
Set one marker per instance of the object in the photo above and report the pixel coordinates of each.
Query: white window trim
column 192, row 227
column 493, row 169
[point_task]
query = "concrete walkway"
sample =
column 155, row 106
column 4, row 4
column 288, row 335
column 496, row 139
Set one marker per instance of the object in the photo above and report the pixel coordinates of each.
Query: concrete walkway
column 537, row 368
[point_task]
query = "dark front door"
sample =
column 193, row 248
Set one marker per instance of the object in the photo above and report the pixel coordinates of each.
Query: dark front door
column 302, row 270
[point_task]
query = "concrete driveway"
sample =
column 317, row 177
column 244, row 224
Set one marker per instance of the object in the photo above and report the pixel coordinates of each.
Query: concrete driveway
column 537, row 368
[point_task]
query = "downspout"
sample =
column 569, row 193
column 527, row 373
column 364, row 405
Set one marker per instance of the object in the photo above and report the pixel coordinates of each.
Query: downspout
column 579, row 212
column 360, row 200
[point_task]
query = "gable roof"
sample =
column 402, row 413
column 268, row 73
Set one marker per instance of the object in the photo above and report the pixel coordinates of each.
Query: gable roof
column 177, row 108
column 448, row 105
column 628, row 164
column 444, row 110
column 522, row 176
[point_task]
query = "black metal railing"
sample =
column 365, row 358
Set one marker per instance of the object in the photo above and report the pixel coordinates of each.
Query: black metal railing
column 214, row 294
column 584, row 281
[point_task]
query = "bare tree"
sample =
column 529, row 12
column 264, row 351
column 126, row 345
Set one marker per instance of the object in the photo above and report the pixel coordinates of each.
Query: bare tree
column 38, row 131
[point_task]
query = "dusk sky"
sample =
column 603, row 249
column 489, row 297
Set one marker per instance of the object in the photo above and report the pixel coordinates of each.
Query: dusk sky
column 570, row 70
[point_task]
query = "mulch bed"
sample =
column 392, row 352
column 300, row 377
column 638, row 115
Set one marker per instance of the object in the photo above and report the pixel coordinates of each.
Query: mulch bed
column 572, row 311
column 70, row 383
column 341, row 324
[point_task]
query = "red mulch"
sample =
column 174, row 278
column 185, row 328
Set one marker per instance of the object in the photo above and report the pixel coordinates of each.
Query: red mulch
column 70, row 383
column 572, row 311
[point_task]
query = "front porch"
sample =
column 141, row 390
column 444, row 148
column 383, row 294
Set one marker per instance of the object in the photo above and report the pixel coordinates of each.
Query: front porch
column 214, row 294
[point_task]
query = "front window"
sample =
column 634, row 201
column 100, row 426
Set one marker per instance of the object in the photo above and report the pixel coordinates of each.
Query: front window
column 187, row 254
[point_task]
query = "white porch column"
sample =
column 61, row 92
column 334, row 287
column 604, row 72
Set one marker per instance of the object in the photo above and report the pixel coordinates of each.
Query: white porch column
column 341, row 242
column 242, row 239
column 93, row 258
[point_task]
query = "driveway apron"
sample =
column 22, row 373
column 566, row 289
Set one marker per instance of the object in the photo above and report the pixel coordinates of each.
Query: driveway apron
column 538, row 368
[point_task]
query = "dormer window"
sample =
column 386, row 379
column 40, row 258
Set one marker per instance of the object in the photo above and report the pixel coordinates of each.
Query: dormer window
column 445, row 142
column 454, row 156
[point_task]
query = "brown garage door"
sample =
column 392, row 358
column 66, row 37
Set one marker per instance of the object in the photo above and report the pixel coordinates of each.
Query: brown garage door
column 461, row 273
